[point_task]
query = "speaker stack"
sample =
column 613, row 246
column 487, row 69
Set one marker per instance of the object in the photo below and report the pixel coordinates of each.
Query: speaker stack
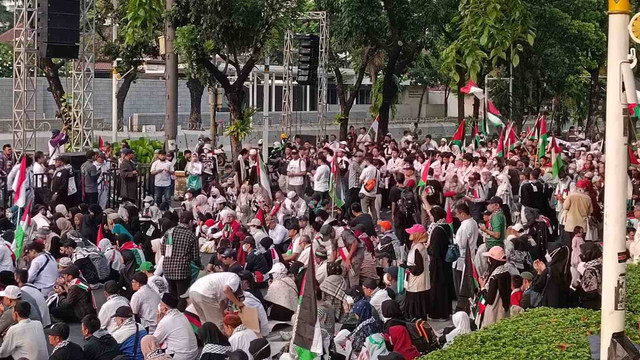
column 59, row 28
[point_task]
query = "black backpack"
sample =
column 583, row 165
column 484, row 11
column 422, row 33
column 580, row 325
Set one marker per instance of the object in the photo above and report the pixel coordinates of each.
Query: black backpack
column 407, row 202
column 422, row 336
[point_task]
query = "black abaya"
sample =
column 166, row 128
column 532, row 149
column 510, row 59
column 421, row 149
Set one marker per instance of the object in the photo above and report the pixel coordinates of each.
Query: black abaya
column 442, row 290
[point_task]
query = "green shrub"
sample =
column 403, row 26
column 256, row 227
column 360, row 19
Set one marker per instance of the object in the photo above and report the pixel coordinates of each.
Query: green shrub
column 542, row 333
column 633, row 302
column 143, row 148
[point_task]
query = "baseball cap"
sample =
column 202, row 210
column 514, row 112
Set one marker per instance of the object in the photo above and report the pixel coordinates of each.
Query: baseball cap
column 229, row 253
column 11, row 292
column 527, row 275
column 58, row 329
column 124, row 312
column 496, row 253
column 416, row 228
column 393, row 271
column 71, row 270
column 127, row 151
column 495, row 200
column 145, row 266
column 518, row 227
column 384, row 224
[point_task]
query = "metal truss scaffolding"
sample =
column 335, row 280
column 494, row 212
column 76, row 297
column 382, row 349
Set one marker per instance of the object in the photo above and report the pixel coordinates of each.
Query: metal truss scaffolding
column 82, row 80
column 25, row 72
column 287, row 87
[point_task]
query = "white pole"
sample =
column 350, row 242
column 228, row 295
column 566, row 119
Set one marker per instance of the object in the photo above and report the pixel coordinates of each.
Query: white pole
column 251, row 88
column 273, row 92
column 615, row 191
column 114, row 83
column 265, row 110
column 308, row 97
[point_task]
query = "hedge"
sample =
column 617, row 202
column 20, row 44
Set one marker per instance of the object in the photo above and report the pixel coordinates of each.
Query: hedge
column 543, row 333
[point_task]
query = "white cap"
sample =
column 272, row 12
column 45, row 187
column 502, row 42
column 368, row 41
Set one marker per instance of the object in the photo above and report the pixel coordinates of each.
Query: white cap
column 148, row 199
column 221, row 200
column 11, row 292
column 255, row 222
column 518, row 227
column 291, row 194
column 253, row 152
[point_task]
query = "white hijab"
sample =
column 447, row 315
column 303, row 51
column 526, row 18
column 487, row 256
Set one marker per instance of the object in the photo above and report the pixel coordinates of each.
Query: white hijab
column 461, row 323
column 113, row 256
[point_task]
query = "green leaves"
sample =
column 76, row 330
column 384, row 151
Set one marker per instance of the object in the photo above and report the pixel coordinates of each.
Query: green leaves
column 240, row 128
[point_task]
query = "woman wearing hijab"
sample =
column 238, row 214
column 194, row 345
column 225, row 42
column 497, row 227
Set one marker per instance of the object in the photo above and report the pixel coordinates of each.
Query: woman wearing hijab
column 554, row 278
column 77, row 221
column 120, row 229
column 590, row 288
column 440, row 272
column 201, row 206
column 367, row 325
column 113, row 257
column 132, row 257
column 282, row 294
column 243, row 204
column 133, row 218
column 419, row 283
column 151, row 349
column 453, row 189
column 271, row 254
column 216, row 345
column 64, row 225
column 461, row 326
column 91, row 222
column 496, row 287
column 333, row 288
column 396, row 331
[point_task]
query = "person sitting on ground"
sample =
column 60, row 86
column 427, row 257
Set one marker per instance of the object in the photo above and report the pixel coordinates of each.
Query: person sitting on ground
column 240, row 336
column 113, row 303
column 376, row 295
column 259, row 349
column 63, row 349
column 156, row 282
column 516, row 295
column 252, row 301
column 10, row 297
column 282, row 293
column 151, row 349
column 174, row 330
column 75, row 299
column 128, row 333
column 26, row 338
column 144, row 302
column 461, row 326
column 43, row 270
column 99, row 344
column 215, row 344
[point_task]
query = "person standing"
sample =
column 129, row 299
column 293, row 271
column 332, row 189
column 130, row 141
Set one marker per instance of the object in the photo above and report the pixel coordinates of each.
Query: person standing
column 296, row 171
column 578, row 207
column 466, row 238
column 321, row 178
column 180, row 248
column 370, row 180
column 90, row 175
column 58, row 139
column 355, row 169
column 162, row 169
column 26, row 338
column 104, row 168
column 209, row 295
column 60, row 183
column 129, row 175
column 497, row 224
column 419, row 283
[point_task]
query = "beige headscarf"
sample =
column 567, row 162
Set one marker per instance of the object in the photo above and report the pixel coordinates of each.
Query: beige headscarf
column 151, row 349
column 64, row 225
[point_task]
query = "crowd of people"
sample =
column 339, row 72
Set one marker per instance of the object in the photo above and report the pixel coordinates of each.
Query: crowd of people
column 399, row 234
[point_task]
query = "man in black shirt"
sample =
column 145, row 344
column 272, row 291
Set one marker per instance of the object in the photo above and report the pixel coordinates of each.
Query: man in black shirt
column 63, row 349
column 361, row 218
column 229, row 261
column 256, row 262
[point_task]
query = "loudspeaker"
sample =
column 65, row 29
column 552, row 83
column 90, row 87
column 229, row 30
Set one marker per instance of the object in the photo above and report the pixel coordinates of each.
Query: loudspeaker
column 59, row 28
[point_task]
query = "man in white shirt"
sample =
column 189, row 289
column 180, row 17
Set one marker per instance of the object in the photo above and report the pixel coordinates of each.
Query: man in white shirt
column 43, row 271
column 363, row 138
column 298, row 207
column 210, row 293
column 321, row 178
column 277, row 232
column 466, row 238
column 145, row 301
column 394, row 165
column 443, row 146
column 114, row 301
column 174, row 331
column 369, row 179
column 162, row 169
column 25, row 339
column 296, row 171
column 376, row 295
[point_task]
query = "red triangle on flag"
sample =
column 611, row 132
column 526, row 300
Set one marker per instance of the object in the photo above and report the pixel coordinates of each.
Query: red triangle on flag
column 633, row 160
column 493, row 109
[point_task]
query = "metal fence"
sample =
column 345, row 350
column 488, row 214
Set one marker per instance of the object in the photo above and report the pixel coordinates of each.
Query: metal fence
column 42, row 187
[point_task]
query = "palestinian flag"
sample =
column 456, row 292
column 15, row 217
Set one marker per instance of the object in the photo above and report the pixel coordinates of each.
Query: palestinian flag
column 534, row 132
column 512, row 138
column 375, row 124
column 458, row 136
column 500, row 150
column 476, row 137
column 334, row 183
column 307, row 338
column 542, row 144
column 634, row 112
column 493, row 114
column 343, row 253
column 633, row 159
column 100, row 236
column 194, row 320
column 450, row 217
column 101, row 144
column 79, row 283
column 22, row 231
column 136, row 250
column 260, row 216
column 425, row 174
column 472, row 88
column 20, row 185
column 402, row 273
column 263, row 175
column 556, row 158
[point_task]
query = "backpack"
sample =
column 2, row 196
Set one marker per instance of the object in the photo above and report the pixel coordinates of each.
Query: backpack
column 407, row 202
column 422, row 336
column 94, row 266
column 100, row 262
column 370, row 185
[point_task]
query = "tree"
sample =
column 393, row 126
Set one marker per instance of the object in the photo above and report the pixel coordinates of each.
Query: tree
column 236, row 32
column 405, row 23
column 354, row 42
column 6, row 19
column 6, row 60
column 490, row 32
column 425, row 71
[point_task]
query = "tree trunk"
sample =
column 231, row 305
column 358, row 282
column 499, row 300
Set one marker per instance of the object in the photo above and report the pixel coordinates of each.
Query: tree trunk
column 476, row 108
column 121, row 96
column 235, row 98
column 52, row 74
column 196, row 89
column 424, row 91
column 447, row 92
column 461, row 83
column 389, row 91
column 594, row 92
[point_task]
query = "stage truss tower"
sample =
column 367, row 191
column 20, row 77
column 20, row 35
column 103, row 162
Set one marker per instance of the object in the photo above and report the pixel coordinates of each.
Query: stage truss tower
column 323, row 82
